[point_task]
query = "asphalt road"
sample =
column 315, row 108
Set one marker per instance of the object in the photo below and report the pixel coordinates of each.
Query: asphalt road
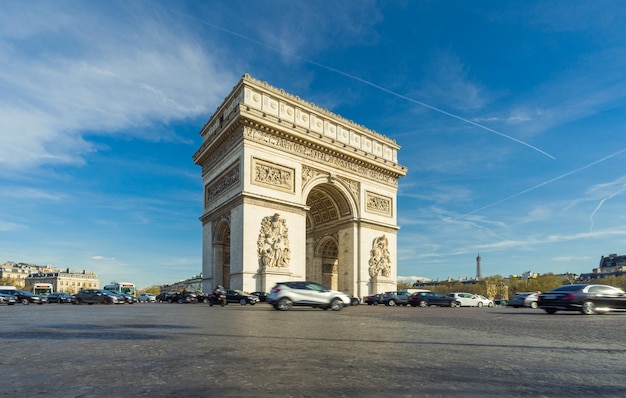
column 193, row 350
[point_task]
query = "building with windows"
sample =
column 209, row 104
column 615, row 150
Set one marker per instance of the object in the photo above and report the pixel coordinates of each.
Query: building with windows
column 24, row 276
column 18, row 272
column 68, row 281
column 611, row 265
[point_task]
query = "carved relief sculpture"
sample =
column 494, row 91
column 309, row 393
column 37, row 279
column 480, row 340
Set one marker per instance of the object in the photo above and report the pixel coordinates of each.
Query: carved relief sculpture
column 377, row 203
column 224, row 182
column 380, row 259
column 275, row 176
column 273, row 243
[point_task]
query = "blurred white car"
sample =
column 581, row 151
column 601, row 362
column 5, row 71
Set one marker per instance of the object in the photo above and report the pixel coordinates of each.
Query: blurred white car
column 287, row 294
column 466, row 299
column 146, row 298
column 484, row 301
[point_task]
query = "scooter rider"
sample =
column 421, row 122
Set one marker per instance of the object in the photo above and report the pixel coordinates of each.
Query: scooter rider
column 219, row 295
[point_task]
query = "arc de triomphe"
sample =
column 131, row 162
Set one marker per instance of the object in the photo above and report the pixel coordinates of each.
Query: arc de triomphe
column 295, row 192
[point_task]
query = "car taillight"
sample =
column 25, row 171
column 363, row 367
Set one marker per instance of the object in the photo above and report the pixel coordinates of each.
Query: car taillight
column 275, row 290
column 568, row 296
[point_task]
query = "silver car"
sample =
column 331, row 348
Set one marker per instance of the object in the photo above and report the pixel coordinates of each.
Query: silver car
column 311, row 294
column 524, row 299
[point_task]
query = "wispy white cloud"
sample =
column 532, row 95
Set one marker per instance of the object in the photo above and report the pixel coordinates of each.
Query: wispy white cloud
column 102, row 258
column 115, row 79
column 6, row 226
column 447, row 82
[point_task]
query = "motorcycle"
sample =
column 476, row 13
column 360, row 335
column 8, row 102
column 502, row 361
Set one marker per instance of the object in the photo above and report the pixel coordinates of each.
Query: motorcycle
column 218, row 298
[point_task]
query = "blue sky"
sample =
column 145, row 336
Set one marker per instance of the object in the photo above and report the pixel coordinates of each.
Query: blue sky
column 511, row 118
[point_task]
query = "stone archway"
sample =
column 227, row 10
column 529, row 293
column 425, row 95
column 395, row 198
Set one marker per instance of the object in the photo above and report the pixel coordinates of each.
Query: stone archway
column 306, row 194
column 221, row 251
column 327, row 251
column 329, row 212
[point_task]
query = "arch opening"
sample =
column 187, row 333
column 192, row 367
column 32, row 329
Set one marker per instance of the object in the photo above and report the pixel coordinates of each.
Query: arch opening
column 327, row 263
column 221, row 252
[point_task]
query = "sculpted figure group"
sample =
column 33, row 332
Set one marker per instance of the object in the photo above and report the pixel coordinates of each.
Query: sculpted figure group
column 380, row 260
column 273, row 243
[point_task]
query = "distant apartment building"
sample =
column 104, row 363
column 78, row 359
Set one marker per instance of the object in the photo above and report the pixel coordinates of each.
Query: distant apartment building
column 24, row 276
column 18, row 272
column 67, row 280
column 611, row 265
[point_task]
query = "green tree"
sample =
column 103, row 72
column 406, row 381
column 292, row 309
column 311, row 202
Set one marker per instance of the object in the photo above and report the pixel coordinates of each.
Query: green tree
column 8, row 282
column 154, row 289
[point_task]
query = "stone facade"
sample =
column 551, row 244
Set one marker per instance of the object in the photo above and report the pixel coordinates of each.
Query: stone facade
column 67, row 281
column 24, row 276
column 293, row 191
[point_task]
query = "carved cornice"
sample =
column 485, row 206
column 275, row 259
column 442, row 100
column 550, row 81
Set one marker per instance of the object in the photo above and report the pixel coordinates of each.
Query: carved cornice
column 218, row 145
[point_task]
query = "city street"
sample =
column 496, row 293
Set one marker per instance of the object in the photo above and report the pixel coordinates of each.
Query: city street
column 193, row 350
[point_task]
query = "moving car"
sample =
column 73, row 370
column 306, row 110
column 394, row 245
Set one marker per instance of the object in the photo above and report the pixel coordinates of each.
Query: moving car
column 426, row 299
column 484, row 301
column 146, row 298
column 25, row 297
column 164, row 296
column 524, row 299
column 97, row 296
column 184, row 297
column 304, row 293
column 373, row 299
column 243, row 298
column 586, row 298
column 7, row 299
column 261, row 295
column 128, row 298
column 60, row 297
column 466, row 299
column 395, row 298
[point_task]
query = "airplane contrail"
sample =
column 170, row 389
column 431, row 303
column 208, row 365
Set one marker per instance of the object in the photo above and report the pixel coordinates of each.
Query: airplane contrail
column 608, row 197
column 361, row 80
column 543, row 183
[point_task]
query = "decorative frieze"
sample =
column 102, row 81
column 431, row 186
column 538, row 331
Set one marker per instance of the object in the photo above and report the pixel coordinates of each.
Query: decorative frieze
column 225, row 181
column 375, row 203
column 317, row 155
column 272, row 175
